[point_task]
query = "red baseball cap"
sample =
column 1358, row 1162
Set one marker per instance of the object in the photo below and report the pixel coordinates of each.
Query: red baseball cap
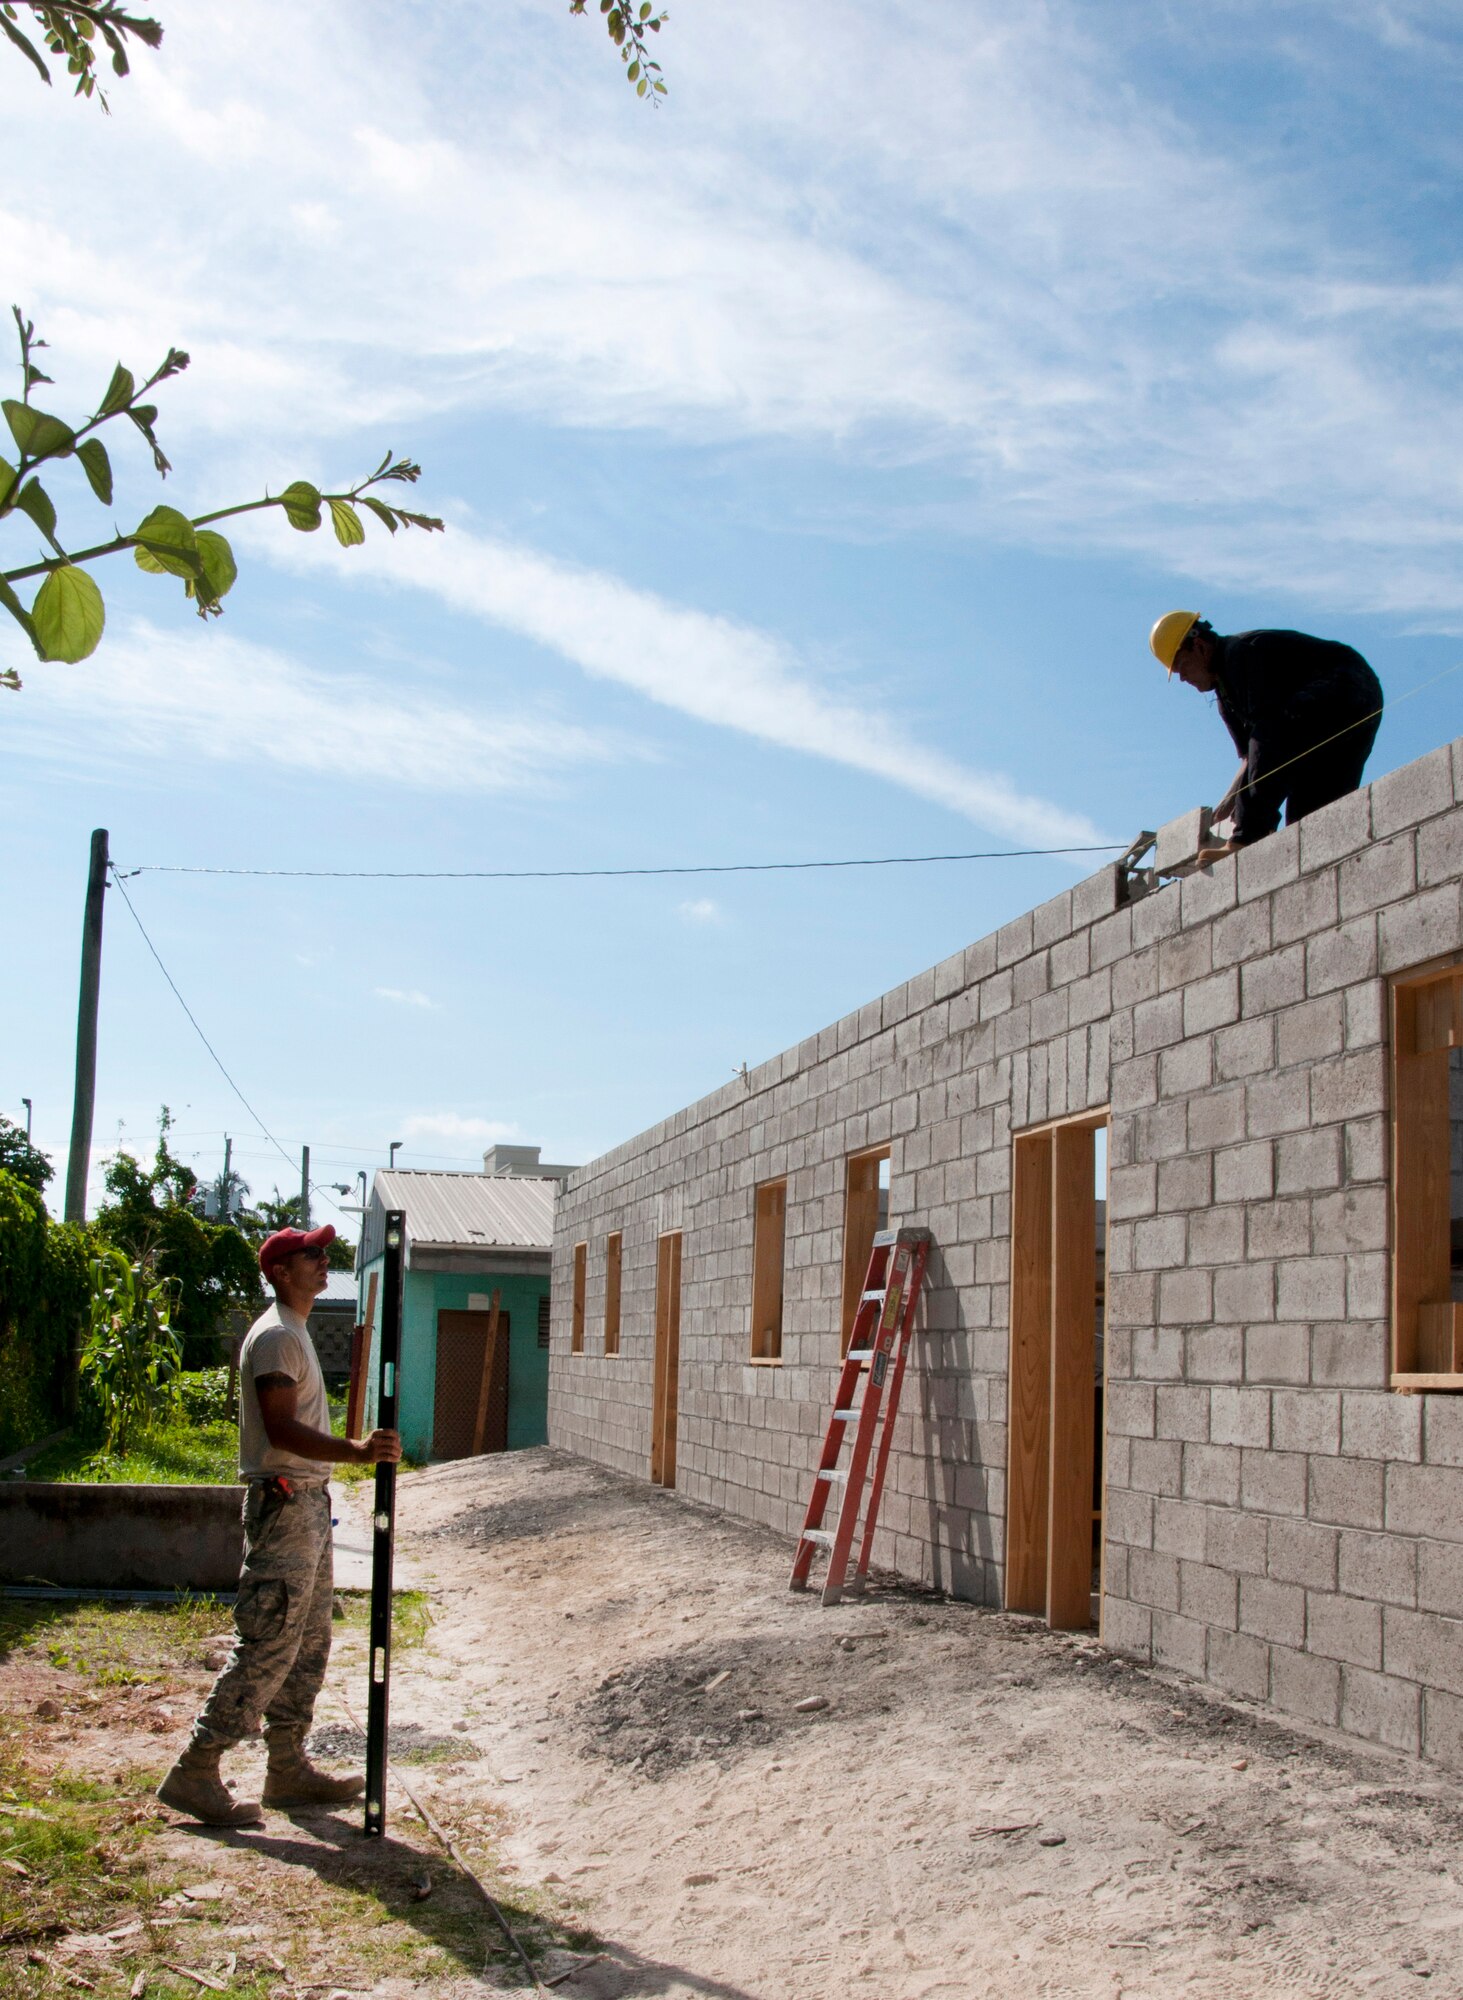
column 289, row 1242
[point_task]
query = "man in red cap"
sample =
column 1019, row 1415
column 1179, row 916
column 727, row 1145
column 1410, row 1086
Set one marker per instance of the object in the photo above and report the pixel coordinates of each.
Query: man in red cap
column 287, row 1586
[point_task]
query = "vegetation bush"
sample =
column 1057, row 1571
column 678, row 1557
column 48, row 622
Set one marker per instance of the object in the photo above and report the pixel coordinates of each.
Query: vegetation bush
column 44, row 1302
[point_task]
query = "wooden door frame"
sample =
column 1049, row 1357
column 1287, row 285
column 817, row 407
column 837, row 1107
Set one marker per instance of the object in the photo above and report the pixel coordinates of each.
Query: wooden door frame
column 1050, row 1436
column 665, row 1395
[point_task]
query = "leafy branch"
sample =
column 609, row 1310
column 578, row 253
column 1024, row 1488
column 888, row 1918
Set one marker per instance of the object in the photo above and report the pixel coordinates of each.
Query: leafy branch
column 67, row 616
column 70, row 30
column 627, row 27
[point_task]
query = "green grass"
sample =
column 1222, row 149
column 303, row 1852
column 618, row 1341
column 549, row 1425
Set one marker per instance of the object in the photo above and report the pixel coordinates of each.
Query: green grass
column 411, row 1615
column 113, row 1644
column 169, row 1454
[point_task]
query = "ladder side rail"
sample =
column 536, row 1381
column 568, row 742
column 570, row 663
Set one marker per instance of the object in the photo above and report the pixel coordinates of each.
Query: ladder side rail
column 891, row 1411
column 890, row 1317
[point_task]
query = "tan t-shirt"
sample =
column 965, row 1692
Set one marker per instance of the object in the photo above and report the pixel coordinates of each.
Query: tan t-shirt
column 279, row 1343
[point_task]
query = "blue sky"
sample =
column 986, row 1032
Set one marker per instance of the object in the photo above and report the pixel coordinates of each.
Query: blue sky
column 816, row 452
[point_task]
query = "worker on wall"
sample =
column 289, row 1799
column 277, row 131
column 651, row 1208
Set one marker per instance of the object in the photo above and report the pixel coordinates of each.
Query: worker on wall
column 1303, row 713
column 286, row 1590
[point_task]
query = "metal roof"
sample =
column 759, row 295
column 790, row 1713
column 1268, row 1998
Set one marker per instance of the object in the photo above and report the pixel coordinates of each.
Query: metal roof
column 463, row 1211
column 340, row 1289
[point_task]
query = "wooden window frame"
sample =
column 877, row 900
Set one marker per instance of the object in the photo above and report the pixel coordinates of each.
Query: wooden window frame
column 860, row 1224
column 614, row 1271
column 666, row 1371
column 768, row 1271
column 581, row 1277
column 1426, row 1005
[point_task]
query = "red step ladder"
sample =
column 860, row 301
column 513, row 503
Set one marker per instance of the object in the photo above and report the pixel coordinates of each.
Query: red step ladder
column 882, row 1329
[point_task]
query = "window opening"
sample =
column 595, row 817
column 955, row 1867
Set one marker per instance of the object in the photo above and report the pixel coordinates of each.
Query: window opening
column 576, row 1325
column 769, row 1242
column 865, row 1212
column 543, row 1319
column 612, row 1292
column 1427, row 1180
column 665, row 1392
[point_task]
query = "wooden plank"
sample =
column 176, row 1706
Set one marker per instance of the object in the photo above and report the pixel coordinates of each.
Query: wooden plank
column 1028, row 1434
column 1440, row 1333
column 612, row 1267
column 1421, row 1189
column 1073, row 1303
column 490, row 1355
column 1411, row 1383
column 860, row 1222
column 581, row 1272
column 769, row 1242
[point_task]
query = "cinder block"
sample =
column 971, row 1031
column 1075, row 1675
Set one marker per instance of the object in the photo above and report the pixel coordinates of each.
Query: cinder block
column 1307, row 1161
column 1344, row 1628
column 1268, row 863
column 1354, row 1087
column 1348, row 1491
column 1160, row 1243
column 1280, row 1353
column 1311, row 1288
column 1273, row 1611
column 1241, row 934
column 1386, row 1427
column 1239, row 1416
column 1178, row 1529
column 1416, row 792
column 1158, row 1022
column 1157, row 1467
column 1425, row 1500
column 1179, row 840
column 1273, row 1482
column 1381, row 1568
column 1426, row 926
column 1184, row 1183
column 1214, row 1354
column 1442, row 1429
column 1380, row 874
column 1381, row 1709
column 1313, row 1031
column 1306, row 1420
column 1127, row 1628
column 1440, row 850
column 1185, row 1297
column 1131, row 1409
column 1217, row 1118
column 1212, row 1003
column 1128, row 1517
column 1153, row 1578
column 1179, row 1642
column 1342, row 957
column 1439, row 1575
column 1302, row 908
column 1421, row 1646
column 1211, row 1595
column 1338, row 829
column 1239, row 1664
column 1278, row 1103
column 1186, row 1068
column 1217, row 1235
column 1183, row 1413
column 1301, row 1552
column 1277, row 980
column 1300, row 1684
column 1132, row 1191
column 1246, row 1049
column 1245, row 1173
column 1236, row 1541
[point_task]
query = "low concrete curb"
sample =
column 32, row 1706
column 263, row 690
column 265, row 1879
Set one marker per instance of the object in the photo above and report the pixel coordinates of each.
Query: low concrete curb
column 120, row 1537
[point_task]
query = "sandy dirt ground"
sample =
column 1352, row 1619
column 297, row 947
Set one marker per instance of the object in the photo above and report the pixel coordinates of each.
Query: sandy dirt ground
column 980, row 1807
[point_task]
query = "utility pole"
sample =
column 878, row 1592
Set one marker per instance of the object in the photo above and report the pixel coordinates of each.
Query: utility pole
column 305, row 1187
column 228, row 1186
column 26, row 1102
column 84, row 1102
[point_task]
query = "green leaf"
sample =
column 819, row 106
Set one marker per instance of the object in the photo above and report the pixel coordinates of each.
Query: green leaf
column 301, row 503
column 36, row 501
column 346, row 523
column 18, row 612
column 634, row 70
column 642, row 87
column 97, row 467
column 219, row 567
column 38, row 435
column 167, row 545
column 68, row 615
column 382, row 512
column 7, row 485
column 119, row 392
column 25, row 47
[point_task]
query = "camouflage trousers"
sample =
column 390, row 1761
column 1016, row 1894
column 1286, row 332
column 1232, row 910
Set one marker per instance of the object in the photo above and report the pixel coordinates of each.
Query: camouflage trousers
column 283, row 1614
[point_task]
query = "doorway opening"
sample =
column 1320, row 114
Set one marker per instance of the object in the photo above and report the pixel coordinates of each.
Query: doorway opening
column 865, row 1212
column 1054, row 1484
column 463, row 1356
column 665, row 1395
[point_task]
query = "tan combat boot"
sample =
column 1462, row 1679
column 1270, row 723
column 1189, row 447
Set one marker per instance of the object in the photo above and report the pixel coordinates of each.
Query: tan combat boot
column 292, row 1780
column 193, row 1786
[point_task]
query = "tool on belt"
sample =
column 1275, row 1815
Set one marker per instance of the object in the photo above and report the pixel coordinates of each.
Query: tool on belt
column 278, row 1492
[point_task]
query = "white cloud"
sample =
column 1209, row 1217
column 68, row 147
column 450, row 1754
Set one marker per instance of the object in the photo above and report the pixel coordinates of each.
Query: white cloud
column 183, row 695
column 728, row 675
column 699, row 910
column 453, row 1127
column 408, row 997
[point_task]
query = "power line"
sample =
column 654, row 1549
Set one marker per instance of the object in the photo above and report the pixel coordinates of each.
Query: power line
column 599, row 874
column 218, row 1060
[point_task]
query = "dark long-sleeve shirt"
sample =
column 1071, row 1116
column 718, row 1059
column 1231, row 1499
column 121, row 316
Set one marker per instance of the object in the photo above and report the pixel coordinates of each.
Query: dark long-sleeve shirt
column 1279, row 694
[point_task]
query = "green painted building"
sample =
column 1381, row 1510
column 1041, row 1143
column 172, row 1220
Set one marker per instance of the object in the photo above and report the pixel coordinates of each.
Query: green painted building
column 471, row 1239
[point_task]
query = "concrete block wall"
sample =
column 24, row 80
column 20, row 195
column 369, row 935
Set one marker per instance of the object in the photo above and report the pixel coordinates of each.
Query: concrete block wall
column 1278, row 1520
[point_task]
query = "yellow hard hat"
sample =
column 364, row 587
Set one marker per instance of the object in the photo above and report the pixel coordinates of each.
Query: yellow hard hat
column 1169, row 634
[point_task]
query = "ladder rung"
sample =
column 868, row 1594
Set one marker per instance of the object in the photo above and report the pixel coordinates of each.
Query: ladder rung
column 859, row 1354
column 879, row 1292
column 884, row 1237
column 845, row 1416
column 840, row 1473
column 819, row 1535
